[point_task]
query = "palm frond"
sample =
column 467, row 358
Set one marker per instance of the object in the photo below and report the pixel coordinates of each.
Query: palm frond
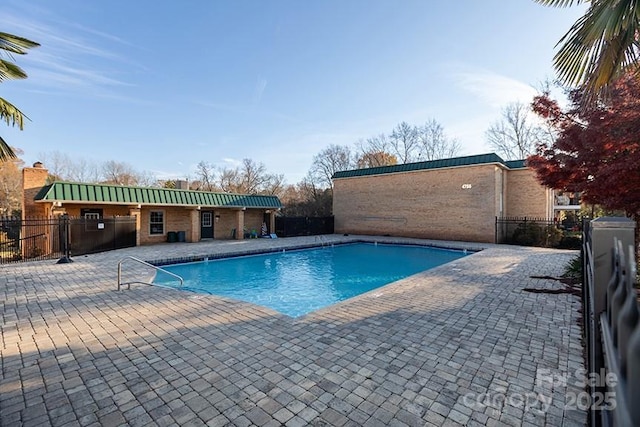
column 560, row 3
column 11, row 114
column 9, row 70
column 16, row 44
column 600, row 46
column 6, row 152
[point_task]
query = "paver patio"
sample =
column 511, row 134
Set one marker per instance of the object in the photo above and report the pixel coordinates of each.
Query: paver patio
column 459, row 345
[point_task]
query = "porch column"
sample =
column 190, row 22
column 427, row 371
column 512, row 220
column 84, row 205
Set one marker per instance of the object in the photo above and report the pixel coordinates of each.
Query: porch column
column 240, row 224
column 194, row 232
column 272, row 222
column 135, row 212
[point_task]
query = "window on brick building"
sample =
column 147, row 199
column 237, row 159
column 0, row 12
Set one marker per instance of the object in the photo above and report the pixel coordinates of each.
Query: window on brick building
column 156, row 222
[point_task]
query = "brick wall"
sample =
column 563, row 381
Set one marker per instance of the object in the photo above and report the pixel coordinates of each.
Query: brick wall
column 525, row 196
column 253, row 219
column 175, row 219
column 227, row 222
column 33, row 179
column 426, row 204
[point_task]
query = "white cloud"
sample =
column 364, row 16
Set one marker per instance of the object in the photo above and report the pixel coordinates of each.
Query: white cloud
column 232, row 162
column 494, row 89
column 71, row 57
column 261, row 85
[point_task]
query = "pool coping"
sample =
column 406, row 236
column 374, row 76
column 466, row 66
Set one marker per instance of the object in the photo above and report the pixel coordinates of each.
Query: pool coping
column 360, row 239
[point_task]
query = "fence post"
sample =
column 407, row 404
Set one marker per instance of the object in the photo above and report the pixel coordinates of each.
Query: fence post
column 603, row 231
column 65, row 259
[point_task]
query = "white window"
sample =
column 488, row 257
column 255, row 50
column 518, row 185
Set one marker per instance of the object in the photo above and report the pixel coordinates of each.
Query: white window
column 156, row 222
column 206, row 219
column 92, row 215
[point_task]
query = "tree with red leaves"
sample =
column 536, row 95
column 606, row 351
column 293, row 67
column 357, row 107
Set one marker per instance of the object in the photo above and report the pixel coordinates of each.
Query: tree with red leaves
column 597, row 151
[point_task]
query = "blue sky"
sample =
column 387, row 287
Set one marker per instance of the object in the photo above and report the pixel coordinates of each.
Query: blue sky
column 163, row 85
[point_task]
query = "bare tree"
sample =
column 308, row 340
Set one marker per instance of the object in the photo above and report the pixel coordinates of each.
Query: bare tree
column 146, row 179
column 58, row 164
column 378, row 143
column 205, row 173
column 119, row 173
column 11, row 185
column 229, row 180
column 250, row 177
column 62, row 167
column 514, row 136
column 374, row 159
column 332, row 159
column 83, row 170
column 253, row 176
column 274, row 185
column 374, row 151
column 306, row 199
column 434, row 144
column 404, row 142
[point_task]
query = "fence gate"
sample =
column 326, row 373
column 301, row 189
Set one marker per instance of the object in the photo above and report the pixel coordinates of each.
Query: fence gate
column 43, row 238
column 89, row 235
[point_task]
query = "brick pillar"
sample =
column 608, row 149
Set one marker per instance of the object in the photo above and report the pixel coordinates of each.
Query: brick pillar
column 194, row 234
column 240, row 224
column 136, row 213
column 272, row 222
column 33, row 179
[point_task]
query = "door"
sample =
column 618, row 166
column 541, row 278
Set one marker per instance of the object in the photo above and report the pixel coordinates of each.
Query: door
column 206, row 225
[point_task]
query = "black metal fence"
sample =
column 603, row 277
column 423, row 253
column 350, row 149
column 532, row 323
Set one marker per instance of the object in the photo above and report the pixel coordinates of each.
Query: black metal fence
column 44, row 238
column 541, row 232
column 30, row 239
column 611, row 324
column 89, row 236
column 303, row 226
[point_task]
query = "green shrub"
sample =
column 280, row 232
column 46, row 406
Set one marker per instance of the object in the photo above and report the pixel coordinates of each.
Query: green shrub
column 533, row 234
column 570, row 242
column 527, row 234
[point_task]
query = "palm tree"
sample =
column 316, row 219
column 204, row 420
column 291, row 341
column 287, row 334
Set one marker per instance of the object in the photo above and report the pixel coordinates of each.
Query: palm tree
column 9, row 45
column 600, row 46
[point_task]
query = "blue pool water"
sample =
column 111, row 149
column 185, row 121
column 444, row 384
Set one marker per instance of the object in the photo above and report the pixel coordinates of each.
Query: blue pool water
column 298, row 282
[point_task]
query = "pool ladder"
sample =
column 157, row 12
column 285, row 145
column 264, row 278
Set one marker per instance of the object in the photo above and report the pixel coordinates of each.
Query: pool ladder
column 323, row 241
column 146, row 264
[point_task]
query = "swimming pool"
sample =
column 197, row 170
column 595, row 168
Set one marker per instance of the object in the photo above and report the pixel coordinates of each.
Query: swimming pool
column 301, row 281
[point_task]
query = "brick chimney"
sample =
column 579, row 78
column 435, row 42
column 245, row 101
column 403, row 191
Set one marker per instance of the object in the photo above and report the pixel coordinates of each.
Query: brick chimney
column 33, row 179
column 182, row 184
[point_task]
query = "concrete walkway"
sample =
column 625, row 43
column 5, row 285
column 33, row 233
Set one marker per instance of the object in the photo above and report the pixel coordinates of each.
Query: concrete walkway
column 459, row 345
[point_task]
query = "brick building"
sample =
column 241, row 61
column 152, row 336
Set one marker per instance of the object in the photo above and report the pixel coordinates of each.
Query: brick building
column 158, row 212
column 449, row 199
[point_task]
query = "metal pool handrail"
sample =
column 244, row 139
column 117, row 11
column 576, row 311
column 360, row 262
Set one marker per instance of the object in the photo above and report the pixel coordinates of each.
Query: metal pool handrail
column 148, row 265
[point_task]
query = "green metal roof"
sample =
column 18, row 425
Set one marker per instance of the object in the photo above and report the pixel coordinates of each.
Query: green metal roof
column 116, row 194
column 433, row 164
column 515, row 164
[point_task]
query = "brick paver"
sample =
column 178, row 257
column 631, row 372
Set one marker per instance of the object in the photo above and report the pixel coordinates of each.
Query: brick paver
column 461, row 344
